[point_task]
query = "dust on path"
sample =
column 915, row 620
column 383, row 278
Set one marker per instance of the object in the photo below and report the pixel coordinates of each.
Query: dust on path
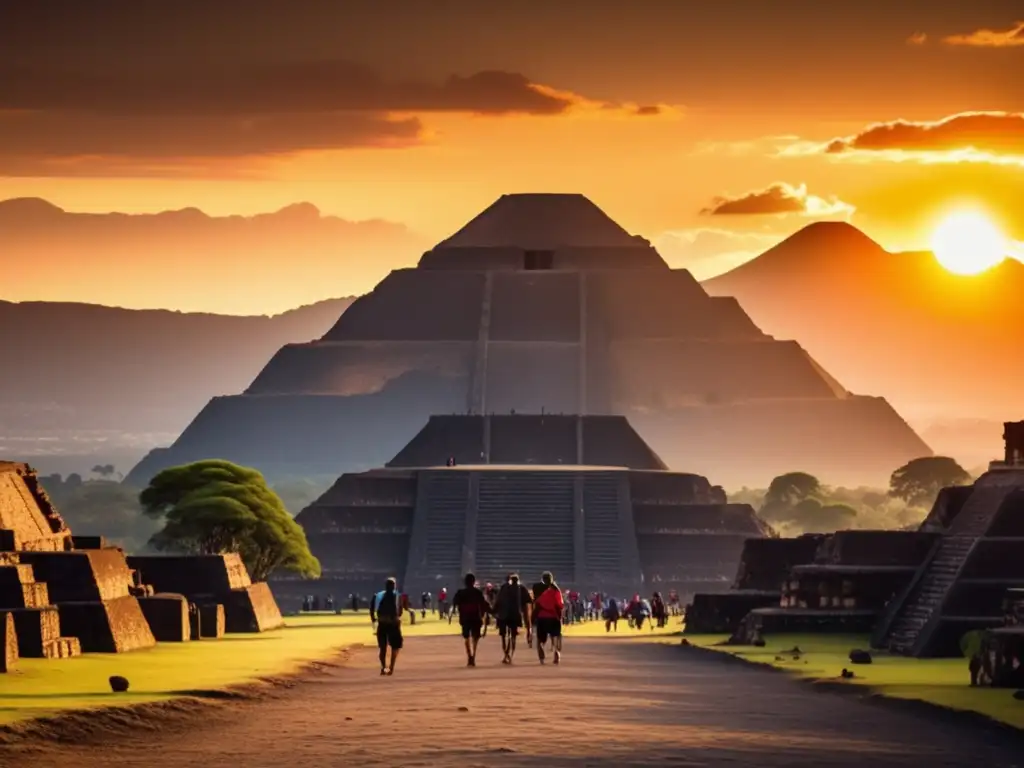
column 611, row 703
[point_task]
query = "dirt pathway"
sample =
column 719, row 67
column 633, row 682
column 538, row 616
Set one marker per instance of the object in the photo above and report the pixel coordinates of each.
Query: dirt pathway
column 611, row 703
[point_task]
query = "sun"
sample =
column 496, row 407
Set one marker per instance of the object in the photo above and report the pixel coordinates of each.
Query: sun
column 968, row 243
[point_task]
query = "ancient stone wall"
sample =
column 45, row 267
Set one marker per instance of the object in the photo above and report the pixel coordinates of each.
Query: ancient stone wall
column 191, row 575
column 112, row 626
column 8, row 643
column 26, row 511
column 765, row 563
column 909, row 548
column 81, row 575
column 535, row 306
column 947, row 506
column 612, row 441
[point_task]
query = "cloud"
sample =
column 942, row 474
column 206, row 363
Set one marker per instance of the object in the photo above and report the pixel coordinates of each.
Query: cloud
column 988, row 137
column 709, row 251
column 990, row 38
column 918, row 38
column 73, row 122
column 779, row 198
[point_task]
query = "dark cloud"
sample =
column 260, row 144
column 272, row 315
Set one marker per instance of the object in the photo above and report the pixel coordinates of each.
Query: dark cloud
column 779, row 198
column 56, row 122
column 294, row 87
column 990, row 38
column 649, row 110
column 994, row 132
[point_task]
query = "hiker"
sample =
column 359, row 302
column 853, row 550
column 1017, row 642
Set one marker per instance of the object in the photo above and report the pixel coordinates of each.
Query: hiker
column 442, row 603
column 472, row 607
column 547, row 610
column 424, row 604
column 386, row 615
column 512, row 613
column 659, row 612
column 612, row 615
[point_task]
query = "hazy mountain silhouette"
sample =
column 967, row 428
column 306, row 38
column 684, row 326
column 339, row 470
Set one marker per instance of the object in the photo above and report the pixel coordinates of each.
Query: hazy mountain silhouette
column 187, row 259
column 939, row 346
column 87, row 367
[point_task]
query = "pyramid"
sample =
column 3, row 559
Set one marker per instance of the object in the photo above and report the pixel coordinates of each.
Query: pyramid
column 542, row 303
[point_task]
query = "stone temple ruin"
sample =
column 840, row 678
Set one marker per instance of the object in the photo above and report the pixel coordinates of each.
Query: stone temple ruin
column 583, row 496
column 63, row 595
column 916, row 592
column 543, row 304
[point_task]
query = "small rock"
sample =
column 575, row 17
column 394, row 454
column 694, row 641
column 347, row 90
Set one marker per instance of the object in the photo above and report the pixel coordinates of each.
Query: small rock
column 796, row 658
column 348, row 718
column 758, row 643
column 846, row 674
column 684, row 641
column 118, row 684
column 1019, row 695
column 858, row 656
column 463, row 709
column 794, row 649
column 780, row 658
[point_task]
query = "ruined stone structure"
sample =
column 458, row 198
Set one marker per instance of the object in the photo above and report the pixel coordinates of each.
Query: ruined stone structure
column 962, row 583
column 582, row 496
column 765, row 565
column 544, row 304
column 59, row 600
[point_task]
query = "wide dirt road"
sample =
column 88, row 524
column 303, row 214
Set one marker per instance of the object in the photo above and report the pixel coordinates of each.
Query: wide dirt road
column 611, row 703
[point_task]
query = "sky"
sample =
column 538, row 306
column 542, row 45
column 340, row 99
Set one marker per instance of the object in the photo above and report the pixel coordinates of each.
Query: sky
column 713, row 129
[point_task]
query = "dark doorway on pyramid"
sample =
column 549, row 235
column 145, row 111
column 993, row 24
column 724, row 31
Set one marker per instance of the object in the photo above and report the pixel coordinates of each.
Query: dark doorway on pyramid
column 538, row 260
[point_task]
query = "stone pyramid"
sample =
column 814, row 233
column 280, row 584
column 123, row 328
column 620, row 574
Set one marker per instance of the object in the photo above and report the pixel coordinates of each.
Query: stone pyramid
column 543, row 304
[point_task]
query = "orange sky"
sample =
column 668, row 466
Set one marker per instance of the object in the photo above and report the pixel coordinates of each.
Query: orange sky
column 250, row 107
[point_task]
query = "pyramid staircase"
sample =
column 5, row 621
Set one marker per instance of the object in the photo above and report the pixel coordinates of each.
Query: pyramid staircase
column 436, row 550
column 912, row 617
column 602, row 529
column 525, row 523
column 36, row 622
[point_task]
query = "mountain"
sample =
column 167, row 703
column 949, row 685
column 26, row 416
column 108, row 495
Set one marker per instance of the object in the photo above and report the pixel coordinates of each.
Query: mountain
column 189, row 260
column 941, row 347
column 83, row 377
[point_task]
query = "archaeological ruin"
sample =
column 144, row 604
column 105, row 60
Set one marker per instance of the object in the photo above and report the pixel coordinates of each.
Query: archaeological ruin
column 916, row 592
column 582, row 496
column 543, row 304
column 62, row 595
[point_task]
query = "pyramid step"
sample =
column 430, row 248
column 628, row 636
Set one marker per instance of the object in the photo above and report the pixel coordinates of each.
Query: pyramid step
column 62, row 648
column 14, row 574
column 31, row 595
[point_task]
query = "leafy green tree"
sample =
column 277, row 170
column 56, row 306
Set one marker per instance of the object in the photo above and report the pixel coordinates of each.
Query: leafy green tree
column 919, row 481
column 214, row 507
column 785, row 492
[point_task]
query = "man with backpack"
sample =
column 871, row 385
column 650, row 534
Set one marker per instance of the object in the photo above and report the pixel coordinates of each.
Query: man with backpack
column 472, row 607
column 512, row 611
column 386, row 615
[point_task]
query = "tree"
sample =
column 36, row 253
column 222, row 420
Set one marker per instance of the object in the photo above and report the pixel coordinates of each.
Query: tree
column 215, row 507
column 785, row 492
column 104, row 470
column 919, row 481
column 108, row 508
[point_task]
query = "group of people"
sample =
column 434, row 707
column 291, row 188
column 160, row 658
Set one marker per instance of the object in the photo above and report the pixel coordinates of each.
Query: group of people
column 514, row 608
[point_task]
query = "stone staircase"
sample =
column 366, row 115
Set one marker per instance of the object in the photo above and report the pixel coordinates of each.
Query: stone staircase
column 436, row 548
column 525, row 524
column 914, row 615
column 478, row 385
column 602, row 529
column 36, row 622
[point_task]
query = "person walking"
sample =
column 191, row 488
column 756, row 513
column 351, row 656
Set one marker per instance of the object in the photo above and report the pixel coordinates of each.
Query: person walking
column 512, row 613
column 386, row 616
column 472, row 607
column 547, row 608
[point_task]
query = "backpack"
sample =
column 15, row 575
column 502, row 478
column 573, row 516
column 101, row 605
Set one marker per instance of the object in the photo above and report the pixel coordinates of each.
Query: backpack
column 387, row 607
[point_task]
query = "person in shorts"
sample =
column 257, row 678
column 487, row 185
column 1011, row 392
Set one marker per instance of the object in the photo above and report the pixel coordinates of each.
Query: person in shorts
column 548, row 607
column 472, row 607
column 386, row 615
column 512, row 611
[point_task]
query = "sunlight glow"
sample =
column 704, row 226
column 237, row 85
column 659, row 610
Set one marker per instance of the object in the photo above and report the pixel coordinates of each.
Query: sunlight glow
column 968, row 243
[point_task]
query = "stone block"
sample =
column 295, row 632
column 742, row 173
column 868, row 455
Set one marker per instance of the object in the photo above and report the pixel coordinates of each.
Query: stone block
column 252, row 609
column 108, row 626
column 62, row 648
column 36, row 627
column 211, row 621
column 81, row 575
column 195, row 622
column 8, row 642
column 88, row 542
column 191, row 575
column 167, row 616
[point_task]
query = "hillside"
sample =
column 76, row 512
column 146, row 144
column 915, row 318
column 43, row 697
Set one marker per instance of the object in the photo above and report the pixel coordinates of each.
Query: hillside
column 939, row 346
column 186, row 259
column 70, row 367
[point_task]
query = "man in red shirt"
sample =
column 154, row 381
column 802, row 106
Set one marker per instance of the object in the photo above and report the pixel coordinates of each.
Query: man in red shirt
column 547, row 610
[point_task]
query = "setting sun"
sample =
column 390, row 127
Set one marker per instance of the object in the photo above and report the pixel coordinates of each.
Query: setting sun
column 968, row 243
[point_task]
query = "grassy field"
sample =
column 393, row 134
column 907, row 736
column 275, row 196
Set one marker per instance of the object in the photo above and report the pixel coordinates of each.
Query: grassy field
column 944, row 682
column 41, row 687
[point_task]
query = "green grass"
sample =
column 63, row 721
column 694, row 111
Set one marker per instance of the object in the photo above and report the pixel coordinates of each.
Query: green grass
column 944, row 682
column 43, row 687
